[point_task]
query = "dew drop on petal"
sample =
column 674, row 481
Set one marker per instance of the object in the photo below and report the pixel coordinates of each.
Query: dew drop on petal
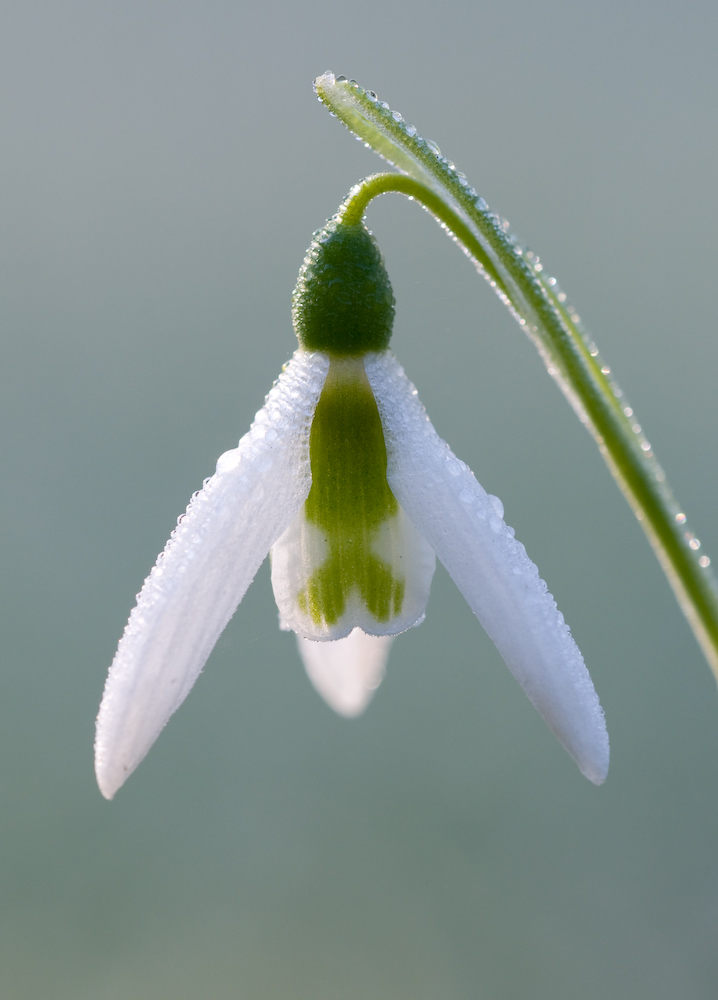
column 497, row 505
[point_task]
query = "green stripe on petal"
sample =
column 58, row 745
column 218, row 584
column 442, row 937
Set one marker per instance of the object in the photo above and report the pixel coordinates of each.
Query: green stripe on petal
column 349, row 500
column 351, row 558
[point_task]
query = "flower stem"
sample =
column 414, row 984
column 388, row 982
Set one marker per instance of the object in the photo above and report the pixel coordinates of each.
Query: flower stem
column 355, row 205
column 541, row 308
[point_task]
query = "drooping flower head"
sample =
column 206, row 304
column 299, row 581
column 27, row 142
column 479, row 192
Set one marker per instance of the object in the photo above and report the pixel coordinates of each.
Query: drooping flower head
column 344, row 479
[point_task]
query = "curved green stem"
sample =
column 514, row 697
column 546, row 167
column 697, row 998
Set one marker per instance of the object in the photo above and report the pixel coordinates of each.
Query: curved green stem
column 356, row 202
column 541, row 309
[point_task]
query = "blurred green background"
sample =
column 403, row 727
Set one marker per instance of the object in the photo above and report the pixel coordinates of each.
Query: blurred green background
column 163, row 167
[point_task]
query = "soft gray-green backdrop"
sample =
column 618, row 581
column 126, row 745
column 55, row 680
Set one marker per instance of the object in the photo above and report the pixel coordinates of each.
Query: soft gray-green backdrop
column 163, row 167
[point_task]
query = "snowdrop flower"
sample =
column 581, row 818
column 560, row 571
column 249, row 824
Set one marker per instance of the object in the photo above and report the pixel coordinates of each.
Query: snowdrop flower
column 345, row 482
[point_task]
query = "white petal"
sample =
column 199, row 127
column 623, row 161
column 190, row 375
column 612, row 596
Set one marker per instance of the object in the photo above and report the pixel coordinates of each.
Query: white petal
column 301, row 549
column 360, row 563
column 204, row 571
column 464, row 526
column 346, row 672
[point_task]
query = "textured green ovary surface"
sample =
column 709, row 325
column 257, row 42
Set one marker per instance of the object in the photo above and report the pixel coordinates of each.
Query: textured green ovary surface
column 343, row 302
column 349, row 500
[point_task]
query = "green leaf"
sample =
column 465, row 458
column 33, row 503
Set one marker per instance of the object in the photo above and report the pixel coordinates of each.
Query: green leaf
column 543, row 311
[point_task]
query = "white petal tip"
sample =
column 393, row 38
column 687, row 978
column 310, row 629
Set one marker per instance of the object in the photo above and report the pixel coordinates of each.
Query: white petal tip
column 594, row 765
column 112, row 769
column 346, row 672
column 580, row 725
column 597, row 777
column 109, row 784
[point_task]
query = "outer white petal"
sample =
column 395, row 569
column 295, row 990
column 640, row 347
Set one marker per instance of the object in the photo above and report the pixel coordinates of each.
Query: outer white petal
column 346, row 672
column 204, row 571
column 464, row 526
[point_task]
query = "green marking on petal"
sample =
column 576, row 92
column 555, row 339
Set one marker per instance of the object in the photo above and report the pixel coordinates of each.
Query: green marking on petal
column 349, row 500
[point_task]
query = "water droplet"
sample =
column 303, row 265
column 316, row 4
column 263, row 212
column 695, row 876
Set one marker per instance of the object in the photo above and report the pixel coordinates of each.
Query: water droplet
column 371, row 95
column 481, row 205
column 680, row 518
column 645, row 446
column 704, row 562
column 695, row 544
column 561, row 296
column 605, row 370
column 496, row 504
column 433, row 147
column 341, row 79
column 552, row 281
column 396, row 116
column 628, row 411
column 411, row 130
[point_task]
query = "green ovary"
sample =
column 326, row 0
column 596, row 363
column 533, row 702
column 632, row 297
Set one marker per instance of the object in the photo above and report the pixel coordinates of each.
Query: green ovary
column 349, row 500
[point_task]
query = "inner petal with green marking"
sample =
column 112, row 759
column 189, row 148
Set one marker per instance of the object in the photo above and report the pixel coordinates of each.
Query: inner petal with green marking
column 352, row 557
